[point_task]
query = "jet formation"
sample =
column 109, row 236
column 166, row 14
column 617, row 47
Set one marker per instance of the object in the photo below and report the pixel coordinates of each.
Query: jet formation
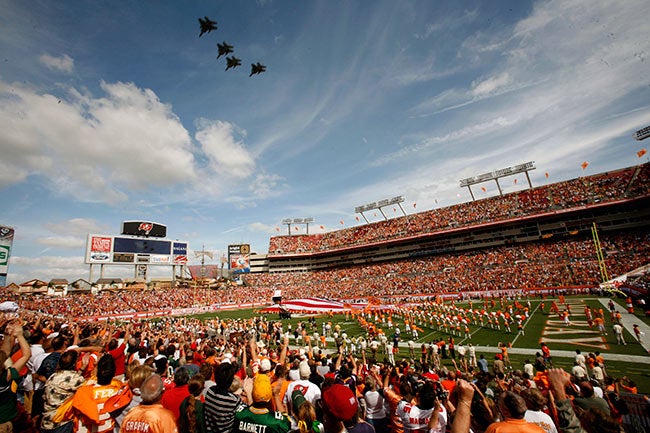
column 207, row 25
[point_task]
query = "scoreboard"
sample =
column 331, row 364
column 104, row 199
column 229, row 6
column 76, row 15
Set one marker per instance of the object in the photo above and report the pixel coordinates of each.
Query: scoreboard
column 104, row 249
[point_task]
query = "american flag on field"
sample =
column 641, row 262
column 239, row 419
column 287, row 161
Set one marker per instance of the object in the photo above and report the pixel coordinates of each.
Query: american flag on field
column 320, row 305
column 313, row 304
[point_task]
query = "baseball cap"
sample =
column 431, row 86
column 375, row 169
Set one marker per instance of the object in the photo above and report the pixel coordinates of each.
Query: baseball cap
column 297, row 399
column 265, row 365
column 340, row 402
column 303, row 370
column 262, row 391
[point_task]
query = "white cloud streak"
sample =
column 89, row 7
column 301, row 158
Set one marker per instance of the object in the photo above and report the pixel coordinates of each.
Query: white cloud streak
column 62, row 63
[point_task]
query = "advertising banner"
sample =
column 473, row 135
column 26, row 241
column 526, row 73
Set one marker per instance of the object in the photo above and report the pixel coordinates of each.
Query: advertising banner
column 239, row 258
column 100, row 249
column 6, row 241
column 180, row 253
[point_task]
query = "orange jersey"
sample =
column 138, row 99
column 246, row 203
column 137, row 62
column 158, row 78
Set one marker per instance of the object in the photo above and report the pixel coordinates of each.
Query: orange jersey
column 149, row 419
column 90, row 416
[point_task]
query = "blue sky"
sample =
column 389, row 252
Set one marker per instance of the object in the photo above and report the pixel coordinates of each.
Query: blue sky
column 114, row 111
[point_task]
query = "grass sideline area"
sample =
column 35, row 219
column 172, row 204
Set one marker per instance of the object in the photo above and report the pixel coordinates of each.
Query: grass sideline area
column 486, row 340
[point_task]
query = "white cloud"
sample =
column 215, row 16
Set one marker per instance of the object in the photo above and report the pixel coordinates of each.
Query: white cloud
column 227, row 155
column 71, row 234
column 428, row 143
column 448, row 23
column 107, row 148
column 491, row 84
column 66, row 242
column 77, row 227
column 95, row 149
column 267, row 185
column 262, row 228
column 46, row 267
column 62, row 63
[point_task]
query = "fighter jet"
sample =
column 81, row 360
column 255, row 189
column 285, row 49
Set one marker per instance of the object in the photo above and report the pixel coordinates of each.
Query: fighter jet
column 224, row 49
column 257, row 68
column 207, row 25
column 233, row 62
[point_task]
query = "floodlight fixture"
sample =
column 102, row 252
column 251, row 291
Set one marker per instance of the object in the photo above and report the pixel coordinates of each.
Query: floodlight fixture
column 642, row 133
column 378, row 205
column 306, row 222
column 496, row 174
column 289, row 221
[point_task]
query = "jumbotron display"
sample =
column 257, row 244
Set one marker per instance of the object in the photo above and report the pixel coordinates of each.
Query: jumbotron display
column 144, row 229
column 103, row 249
column 239, row 258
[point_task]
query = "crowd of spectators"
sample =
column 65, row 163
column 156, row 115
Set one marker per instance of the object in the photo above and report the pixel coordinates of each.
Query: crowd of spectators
column 547, row 264
column 186, row 375
column 605, row 187
column 554, row 263
column 110, row 303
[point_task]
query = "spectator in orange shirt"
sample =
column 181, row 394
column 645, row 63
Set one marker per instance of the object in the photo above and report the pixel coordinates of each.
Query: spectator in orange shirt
column 89, row 402
column 449, row 383
column 150, row 416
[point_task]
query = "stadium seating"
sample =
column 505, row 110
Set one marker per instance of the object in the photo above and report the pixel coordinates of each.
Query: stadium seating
column 601, row 188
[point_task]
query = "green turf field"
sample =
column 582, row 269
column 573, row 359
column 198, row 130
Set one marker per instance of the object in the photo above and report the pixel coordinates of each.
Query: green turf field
column 541, row 326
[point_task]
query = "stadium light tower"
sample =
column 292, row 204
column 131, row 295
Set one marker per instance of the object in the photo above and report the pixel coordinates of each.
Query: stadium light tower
column 287, row 222
column 496, row 175
column 379, row 205
column 642, row 133
column 306, row 221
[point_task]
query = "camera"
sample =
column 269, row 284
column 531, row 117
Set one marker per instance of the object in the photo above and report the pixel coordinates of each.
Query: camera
column 440, row 392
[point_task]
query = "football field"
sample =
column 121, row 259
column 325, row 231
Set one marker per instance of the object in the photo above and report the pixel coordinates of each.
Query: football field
column 543, row 325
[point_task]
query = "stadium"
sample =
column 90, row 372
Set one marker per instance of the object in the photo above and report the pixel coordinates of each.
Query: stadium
column 513, row 270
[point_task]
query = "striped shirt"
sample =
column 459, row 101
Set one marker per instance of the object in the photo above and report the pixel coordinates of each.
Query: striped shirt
column 220, row 407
